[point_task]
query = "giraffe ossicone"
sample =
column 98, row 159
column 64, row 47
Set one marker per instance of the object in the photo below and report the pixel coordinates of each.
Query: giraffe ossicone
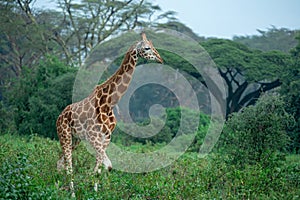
column 93, row 119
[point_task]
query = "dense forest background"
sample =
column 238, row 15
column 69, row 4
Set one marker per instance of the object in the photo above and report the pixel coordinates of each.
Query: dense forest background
column 41, row 51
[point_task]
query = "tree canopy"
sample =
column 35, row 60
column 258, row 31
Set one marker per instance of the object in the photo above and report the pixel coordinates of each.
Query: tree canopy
column 280, row 39
column 246, row 72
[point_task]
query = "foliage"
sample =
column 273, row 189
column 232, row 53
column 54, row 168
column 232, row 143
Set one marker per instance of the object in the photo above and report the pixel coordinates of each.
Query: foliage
column 257, row 134
column 70, row 31
column 16, row 181
column 6, row 120
column 254, row 65
column 290, row 91
column 247, row 73
column 280, row 39
column 181, row 28
column 40, row 95
column 173, row 122
column 187, row 178
column 23, row 41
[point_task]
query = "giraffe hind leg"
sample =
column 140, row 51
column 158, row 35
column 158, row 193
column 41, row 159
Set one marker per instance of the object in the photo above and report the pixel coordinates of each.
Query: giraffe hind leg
column 65, row 138
column 61, row 162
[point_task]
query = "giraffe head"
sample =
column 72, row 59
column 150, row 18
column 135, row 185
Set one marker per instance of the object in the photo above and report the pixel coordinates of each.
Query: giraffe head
column 146, row 50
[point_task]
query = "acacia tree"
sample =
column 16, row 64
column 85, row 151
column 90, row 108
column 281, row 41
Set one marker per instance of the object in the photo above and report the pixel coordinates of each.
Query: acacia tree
column 281, row 39
column 71, row 31
column 247, row 73
column 20, row 45
column 87, row 23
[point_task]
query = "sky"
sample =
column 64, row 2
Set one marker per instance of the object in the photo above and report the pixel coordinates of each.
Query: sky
column 228, row 18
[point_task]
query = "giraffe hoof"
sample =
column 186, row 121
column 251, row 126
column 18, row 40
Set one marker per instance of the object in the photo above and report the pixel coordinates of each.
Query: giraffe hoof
column 109, row 169
column 96, row 187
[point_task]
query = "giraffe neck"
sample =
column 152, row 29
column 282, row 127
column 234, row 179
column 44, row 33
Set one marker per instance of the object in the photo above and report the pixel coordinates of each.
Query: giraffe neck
column 116, row 86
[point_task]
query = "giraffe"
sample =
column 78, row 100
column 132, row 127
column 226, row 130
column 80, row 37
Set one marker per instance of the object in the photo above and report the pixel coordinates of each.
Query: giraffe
column 93, row 119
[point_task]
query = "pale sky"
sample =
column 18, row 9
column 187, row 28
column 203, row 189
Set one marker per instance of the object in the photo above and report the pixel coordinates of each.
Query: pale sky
column 227, row 18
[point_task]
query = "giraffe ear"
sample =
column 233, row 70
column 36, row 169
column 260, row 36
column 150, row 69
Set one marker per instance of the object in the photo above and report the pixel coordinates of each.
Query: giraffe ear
column 143, row 34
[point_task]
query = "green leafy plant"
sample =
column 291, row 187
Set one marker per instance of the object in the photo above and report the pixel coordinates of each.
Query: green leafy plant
column 16, row 181
column 34, row 172
column 257, row 134
column 40, row 95
column 170, row 130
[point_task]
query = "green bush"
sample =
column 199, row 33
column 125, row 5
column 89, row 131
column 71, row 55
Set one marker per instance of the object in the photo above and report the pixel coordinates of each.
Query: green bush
column 170, row 129
column 6, row 120
column 121, row 137
column 258, row 133
column 293, row 107
column 16, row 181
column 40, row 95
column 291, row 93
column 187, row 178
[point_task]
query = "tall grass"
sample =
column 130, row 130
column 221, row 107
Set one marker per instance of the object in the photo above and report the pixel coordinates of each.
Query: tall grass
column 28, row 171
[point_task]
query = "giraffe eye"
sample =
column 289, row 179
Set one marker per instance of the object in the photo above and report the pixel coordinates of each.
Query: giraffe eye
column 147, row 48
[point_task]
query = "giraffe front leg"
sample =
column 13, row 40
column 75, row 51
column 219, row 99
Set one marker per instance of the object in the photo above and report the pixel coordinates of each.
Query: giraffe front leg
column 100, row 145
column 97, row 169
column 99, row 161
column 101, row 158
column 107, row 162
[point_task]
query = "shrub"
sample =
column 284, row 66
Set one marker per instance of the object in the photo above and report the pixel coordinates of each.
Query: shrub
column 40, row 95
column 257, row 133
column 17, row 183
column 6, row 122
column 169, row 131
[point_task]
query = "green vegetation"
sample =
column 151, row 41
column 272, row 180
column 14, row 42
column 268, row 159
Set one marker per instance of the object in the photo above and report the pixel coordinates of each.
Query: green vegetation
column 169, row 130
column 285, row 39
column 291, row 93
column 257, row 134
column 40, row 95
column 28, row 170
column 248, row 163
column 256, row 157
column 248, row 73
